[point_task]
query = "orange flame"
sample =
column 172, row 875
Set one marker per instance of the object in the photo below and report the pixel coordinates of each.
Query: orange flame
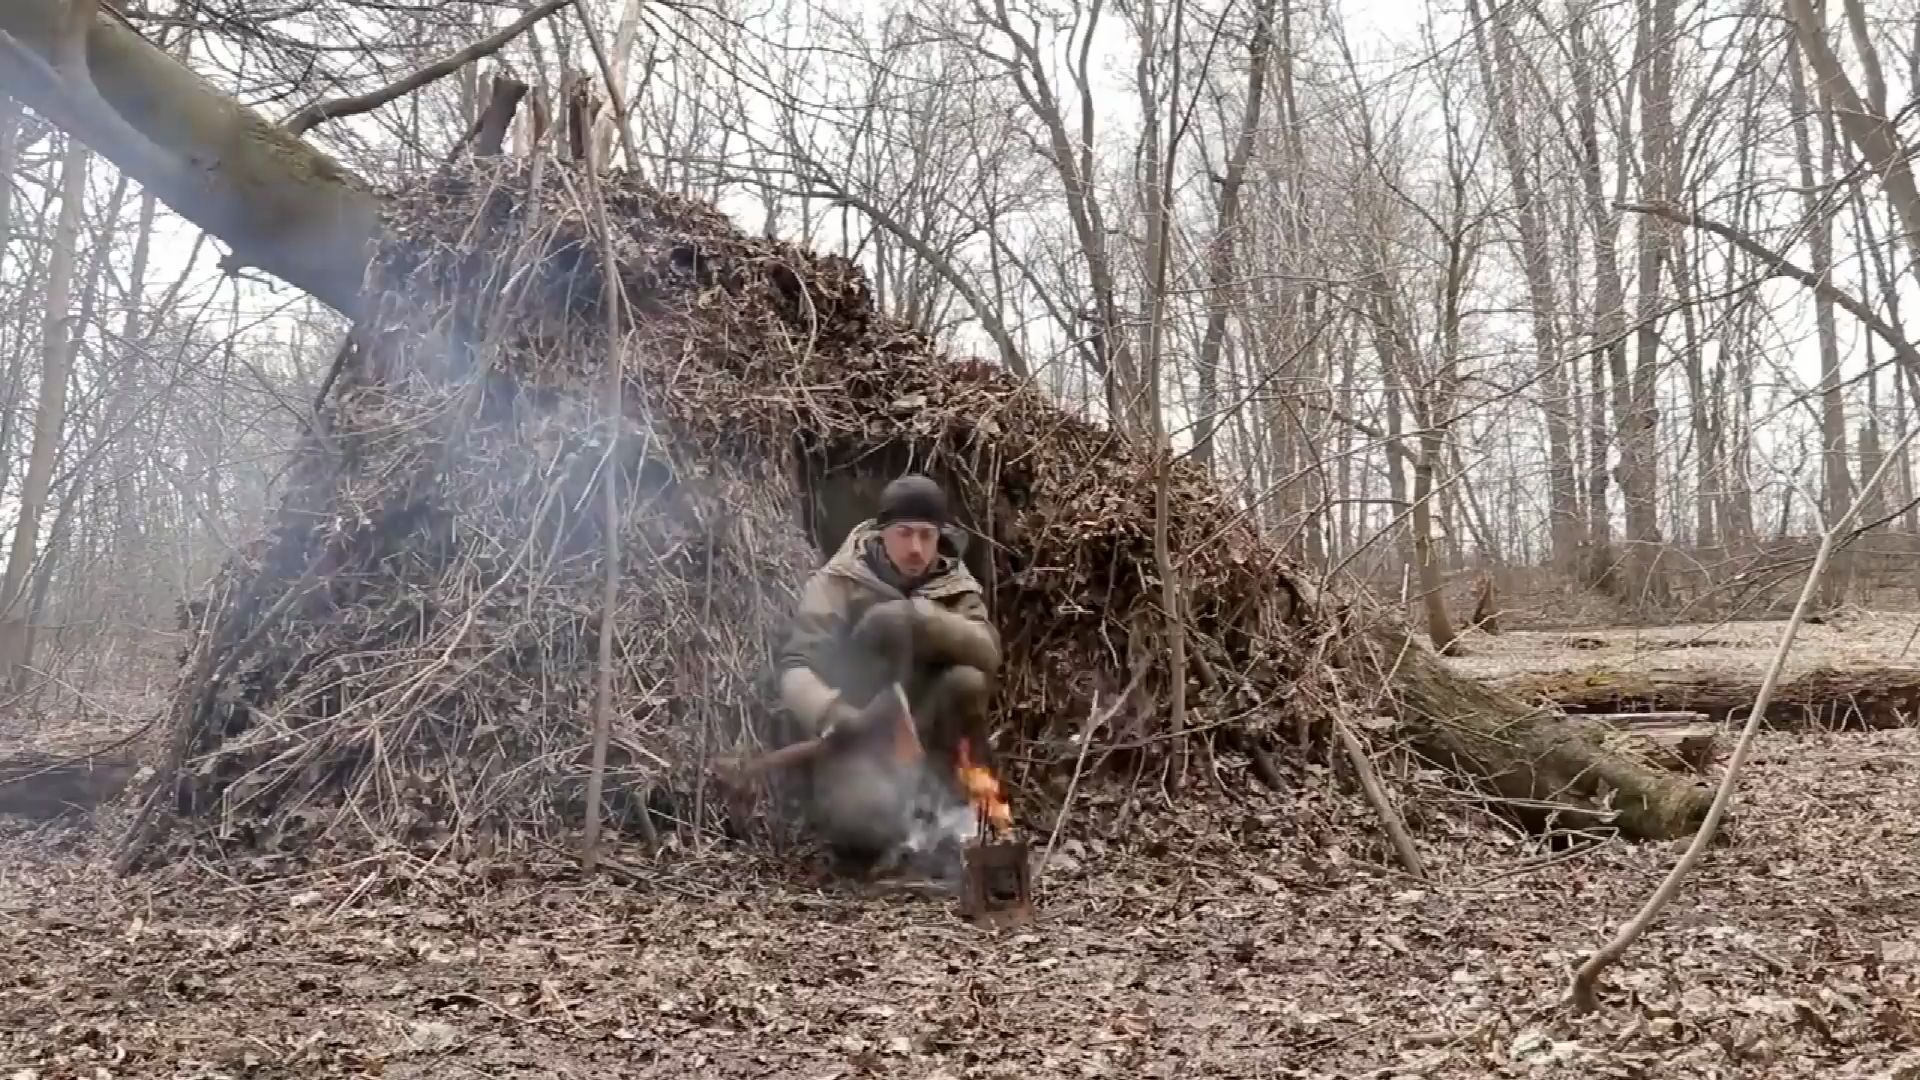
column 983, row 791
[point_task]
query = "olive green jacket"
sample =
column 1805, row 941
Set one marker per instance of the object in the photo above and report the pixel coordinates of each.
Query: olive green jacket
column 953, row 627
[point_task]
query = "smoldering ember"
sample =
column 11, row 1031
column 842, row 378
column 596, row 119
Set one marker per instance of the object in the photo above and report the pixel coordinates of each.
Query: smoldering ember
column 481, row 750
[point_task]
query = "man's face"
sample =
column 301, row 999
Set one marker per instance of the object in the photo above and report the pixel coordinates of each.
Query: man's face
column 911, row 546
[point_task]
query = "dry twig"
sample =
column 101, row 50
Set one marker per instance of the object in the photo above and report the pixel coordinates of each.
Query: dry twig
column 1395, row 829
column 1581, row 994
column 334, row 108
column 1096, row 719
column 612, row 417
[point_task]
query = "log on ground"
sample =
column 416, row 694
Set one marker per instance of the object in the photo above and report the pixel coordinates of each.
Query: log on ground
column 1545, row 771
column 42, row 786
column 1689, row 744
column 1820, row 699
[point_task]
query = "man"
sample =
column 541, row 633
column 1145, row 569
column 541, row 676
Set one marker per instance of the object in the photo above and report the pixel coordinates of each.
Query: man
column 893, row 605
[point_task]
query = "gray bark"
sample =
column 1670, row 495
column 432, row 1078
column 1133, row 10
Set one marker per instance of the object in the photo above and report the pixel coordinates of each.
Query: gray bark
column 280, row 204
column 1496, row 66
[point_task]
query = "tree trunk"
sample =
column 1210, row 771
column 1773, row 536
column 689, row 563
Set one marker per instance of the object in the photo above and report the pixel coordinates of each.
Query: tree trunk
column 9, row 162
column 1159, row 172
column 1222, row 245
column 40, row 586
column 1836, row 488
column 1874, row 270
column 1680, row 270
column 1428, row 581
column 60, row 333
column 280, row 204
column 44, row 787
column 1819, row 699
column 1609, row 308
column 42, row 559
column 1072, row 156
column 1536, row 256
column 1433, row 598
column 1866, row 126
column 1640, row 434
column 1483, row 534
column 1486, row 608
column 625, row 37
column 1546, row 766
column 1346, row 522
column 1733, row 381
column 1394, row 451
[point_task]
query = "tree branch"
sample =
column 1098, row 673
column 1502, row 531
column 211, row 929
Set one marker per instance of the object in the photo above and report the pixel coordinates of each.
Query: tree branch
column 1582, row 994
column 821, row 185
column 334, row 108
column 1825, row 289
column 616, row 96
column 277, row 202
column 1867, row 129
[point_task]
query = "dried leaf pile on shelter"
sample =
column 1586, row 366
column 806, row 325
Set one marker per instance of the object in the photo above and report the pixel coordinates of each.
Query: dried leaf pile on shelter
column 439, row 545
column 417, row 637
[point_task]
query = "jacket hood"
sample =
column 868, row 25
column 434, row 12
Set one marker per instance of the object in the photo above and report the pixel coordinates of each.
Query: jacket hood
column 948, row 576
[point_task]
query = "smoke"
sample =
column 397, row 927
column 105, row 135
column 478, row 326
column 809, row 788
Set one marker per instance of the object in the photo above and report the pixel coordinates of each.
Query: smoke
column 939, row 824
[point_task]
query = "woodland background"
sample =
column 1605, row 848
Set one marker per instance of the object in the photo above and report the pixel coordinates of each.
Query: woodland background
column 1415, row 282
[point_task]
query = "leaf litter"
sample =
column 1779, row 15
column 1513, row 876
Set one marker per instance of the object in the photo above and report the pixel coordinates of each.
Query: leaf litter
column 1266, row 937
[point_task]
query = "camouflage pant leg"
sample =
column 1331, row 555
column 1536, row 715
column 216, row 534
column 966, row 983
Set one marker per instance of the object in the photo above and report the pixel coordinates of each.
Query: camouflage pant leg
column 862, row 803
column 952, row 705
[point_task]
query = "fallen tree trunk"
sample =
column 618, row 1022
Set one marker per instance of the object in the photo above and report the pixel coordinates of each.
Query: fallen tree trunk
column 1678, row 748
column 1676, row 741
column 1821, row 699
column 1547, row 772
column 294, row 212
column 42, row 787
column 277, row 202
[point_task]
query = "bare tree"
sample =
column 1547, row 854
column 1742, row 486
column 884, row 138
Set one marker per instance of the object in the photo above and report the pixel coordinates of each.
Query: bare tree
column 1496, row 66
column 61, row 339
column 1225, row 238
column 1010, row 40
column 1818, row 196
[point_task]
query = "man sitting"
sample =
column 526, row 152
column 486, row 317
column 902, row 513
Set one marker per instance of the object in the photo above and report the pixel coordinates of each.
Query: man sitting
column 894, row 605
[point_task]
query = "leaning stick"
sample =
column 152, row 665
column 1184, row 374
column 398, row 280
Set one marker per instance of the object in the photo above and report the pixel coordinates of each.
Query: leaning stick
column 906, row 747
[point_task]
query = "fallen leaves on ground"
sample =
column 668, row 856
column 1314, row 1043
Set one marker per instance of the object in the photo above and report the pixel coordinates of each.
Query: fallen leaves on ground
column 1255, row 940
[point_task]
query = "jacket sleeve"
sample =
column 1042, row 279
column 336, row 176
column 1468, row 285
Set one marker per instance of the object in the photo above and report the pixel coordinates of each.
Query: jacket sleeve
column 817, row 626
column 958, row 630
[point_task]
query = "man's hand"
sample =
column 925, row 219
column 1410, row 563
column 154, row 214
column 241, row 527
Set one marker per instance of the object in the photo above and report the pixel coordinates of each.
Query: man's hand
column 847, row 725
column 953, row 638
column 886, row 626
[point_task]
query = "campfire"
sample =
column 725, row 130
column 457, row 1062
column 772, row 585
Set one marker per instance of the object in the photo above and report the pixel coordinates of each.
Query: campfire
column 983, row 793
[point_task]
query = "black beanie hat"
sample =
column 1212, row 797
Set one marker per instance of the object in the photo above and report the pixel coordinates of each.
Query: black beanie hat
column 913, row 498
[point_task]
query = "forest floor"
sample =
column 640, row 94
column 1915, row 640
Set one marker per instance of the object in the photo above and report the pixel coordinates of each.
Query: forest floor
column 1854, row 639
column 1255, row 936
